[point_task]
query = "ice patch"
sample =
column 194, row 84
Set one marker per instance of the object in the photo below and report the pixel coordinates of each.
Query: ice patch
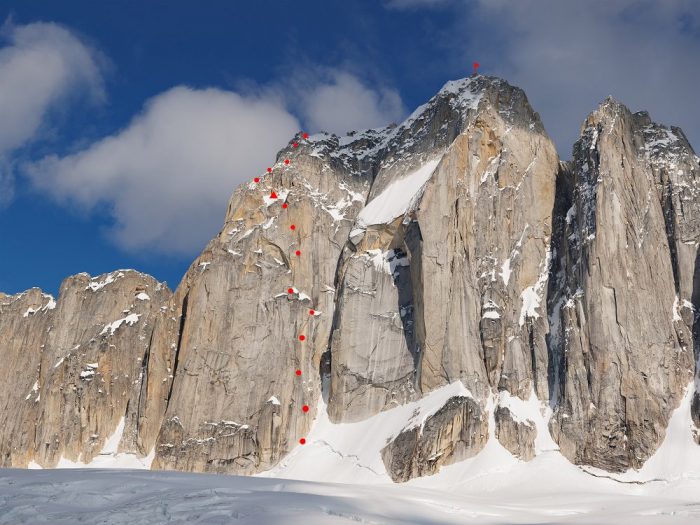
column 112, row 327
column 395, row 199
column 531, row 296
column 386, row 262
column 506, row 271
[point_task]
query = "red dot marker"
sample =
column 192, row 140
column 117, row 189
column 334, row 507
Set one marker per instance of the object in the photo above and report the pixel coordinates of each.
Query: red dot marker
column 269, row 170
column 476, row 67
column 297, row 253
column 273, row 195
column 284, row 205
column 290, row 290
column 305, row 408
column 286, row 161
column 298, row 372
column 302, row 337
column 256, row 179
column 296, row 144
column 305, row 135
column 312, row 312
column 302, row 441
column 292, row 227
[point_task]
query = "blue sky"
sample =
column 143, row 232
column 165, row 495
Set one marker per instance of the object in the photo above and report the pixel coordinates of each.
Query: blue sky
column 125, row 126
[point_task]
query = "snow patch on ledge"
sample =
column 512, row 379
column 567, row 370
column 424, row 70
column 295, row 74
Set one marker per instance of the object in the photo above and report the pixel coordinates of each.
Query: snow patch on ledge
column 351, row 452
column 532, row 295
column 396, row 198
column 113, row 327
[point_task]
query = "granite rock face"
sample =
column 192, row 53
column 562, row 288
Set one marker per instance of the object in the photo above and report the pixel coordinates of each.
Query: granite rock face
column 83, row 359
column 245, row 303
column 451, row 285
column 457, row 431
column 517, row 436
column 384, row 265
column 622, row 311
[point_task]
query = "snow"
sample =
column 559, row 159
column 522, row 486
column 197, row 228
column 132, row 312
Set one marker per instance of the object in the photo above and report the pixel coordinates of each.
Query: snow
column 396, row 198
column 112, row 327
column 122, row 498
column 97, row 285
column 386, row 261
column 676, row 316
column 281, row 196
column 35, row 389
column 108, row 458
column 29, row 312
column 531, row 296
column 349, row 452
column 338, row 477
column 506, row 271
column 274, row 400
column 491, row 314
column 143, row 296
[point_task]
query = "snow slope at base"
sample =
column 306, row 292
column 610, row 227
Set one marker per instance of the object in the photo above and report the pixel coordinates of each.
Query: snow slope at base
column 110, row 497
column 346, row 482
column 108, row 456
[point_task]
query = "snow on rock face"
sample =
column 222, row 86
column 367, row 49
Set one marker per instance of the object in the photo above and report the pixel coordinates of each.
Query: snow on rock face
column 396, row 199
column 130, row 320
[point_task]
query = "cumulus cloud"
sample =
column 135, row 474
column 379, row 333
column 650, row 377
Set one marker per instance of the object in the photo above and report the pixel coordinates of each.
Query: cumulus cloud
column 569, row 55
column 41, row 64
column 167, row 177
column 340, row 102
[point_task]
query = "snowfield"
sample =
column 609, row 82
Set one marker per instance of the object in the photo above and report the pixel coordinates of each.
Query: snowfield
column 338, row 478
column 63, row 497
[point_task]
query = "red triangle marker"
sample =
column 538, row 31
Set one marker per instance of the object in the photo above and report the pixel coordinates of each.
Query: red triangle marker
column 273, row 195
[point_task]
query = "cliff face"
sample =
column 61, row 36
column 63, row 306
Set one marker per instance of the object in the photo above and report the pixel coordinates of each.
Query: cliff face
column 622, row 345
column 371, row 269
column 77, row 367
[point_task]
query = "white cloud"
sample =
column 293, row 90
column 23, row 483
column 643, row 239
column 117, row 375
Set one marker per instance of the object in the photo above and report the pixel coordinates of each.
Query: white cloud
column 339, row 102
column 568, row 55
column 41, row 64
column 167, row 177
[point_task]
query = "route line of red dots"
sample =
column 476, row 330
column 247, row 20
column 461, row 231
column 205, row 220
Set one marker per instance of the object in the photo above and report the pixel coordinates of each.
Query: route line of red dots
column 290, row 291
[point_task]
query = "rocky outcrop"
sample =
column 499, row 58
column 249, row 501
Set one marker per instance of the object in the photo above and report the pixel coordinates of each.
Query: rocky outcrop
column 373, row 269
column 446, row 267
column 84, row 359
column 622, row 351
column 457, row 431
column 264, row 283
column 24, row 322
column 517, row 436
